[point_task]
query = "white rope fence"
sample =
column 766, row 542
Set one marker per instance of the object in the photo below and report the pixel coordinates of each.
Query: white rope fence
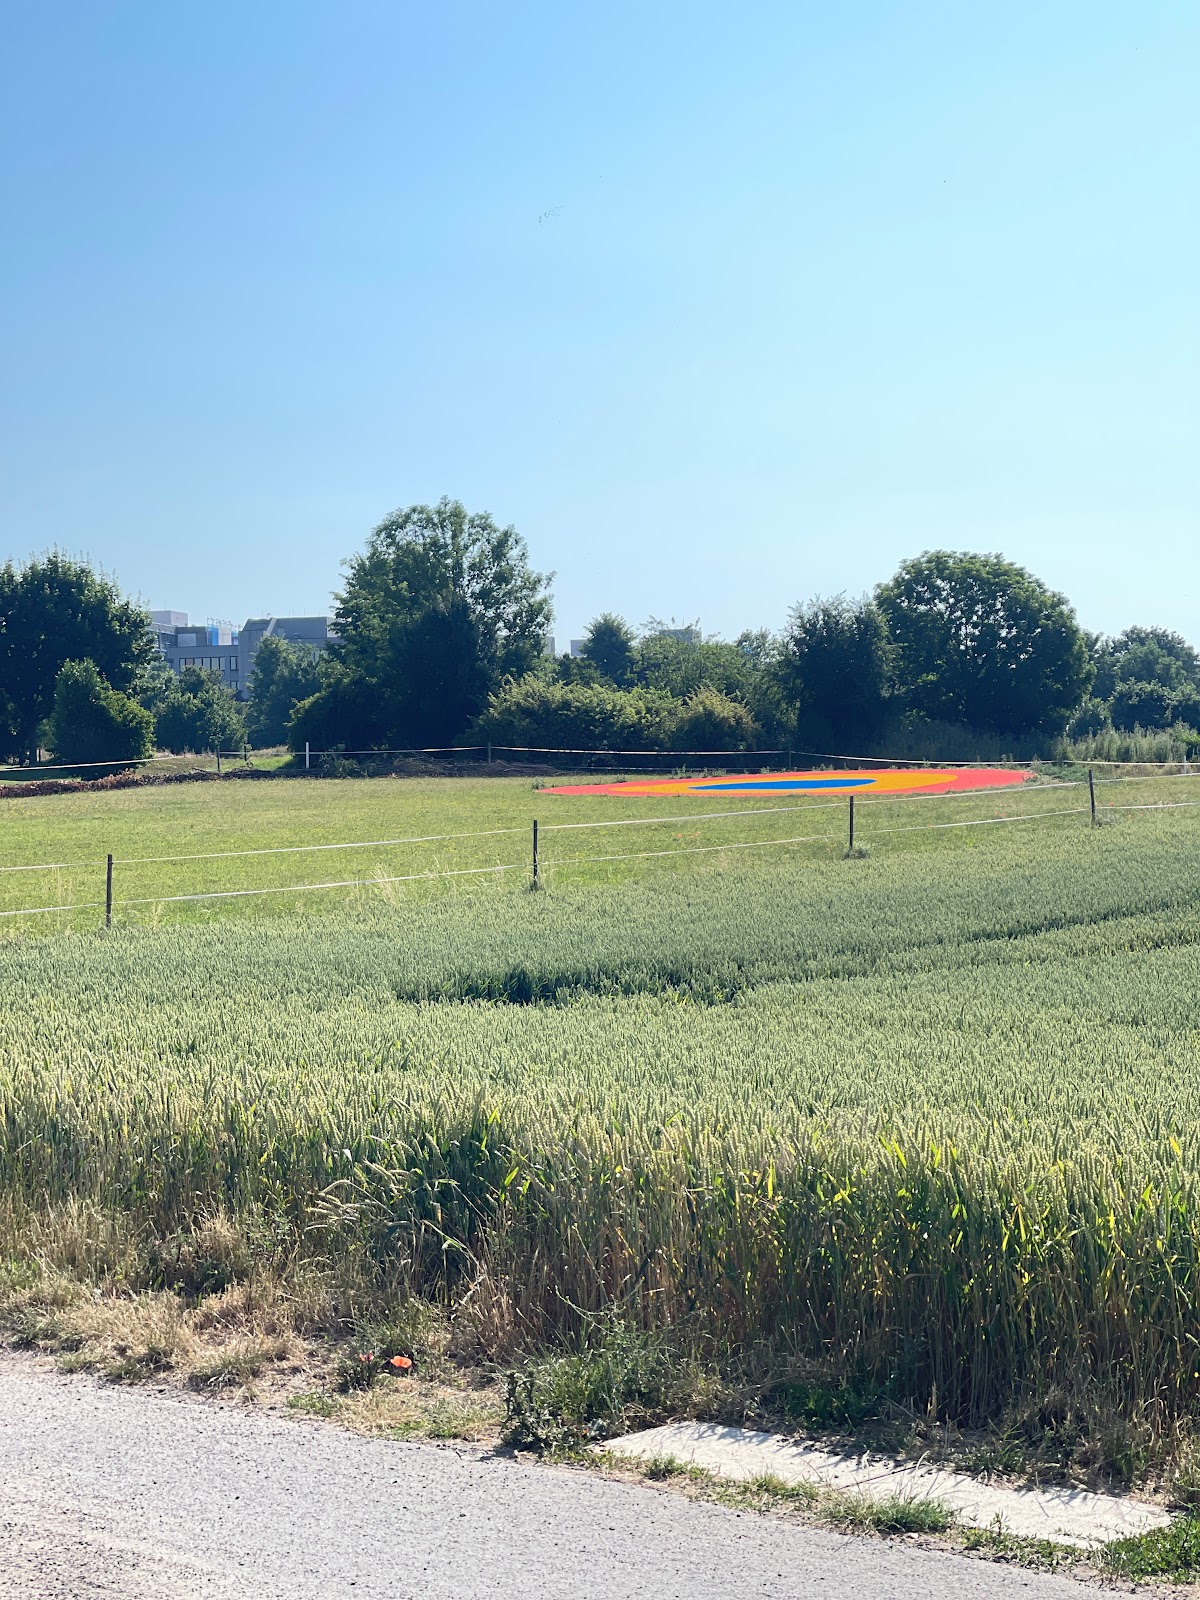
column 245, row 754
column 111, row 904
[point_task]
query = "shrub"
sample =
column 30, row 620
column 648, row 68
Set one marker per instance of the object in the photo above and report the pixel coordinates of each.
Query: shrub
column 539, row 713
column 622, row 1377
column 710, row 720
column 576, row 716
column 92, row 722
column 199, row 713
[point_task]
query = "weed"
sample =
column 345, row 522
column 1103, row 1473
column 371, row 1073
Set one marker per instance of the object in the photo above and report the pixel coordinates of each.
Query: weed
column 623, row 1377
column 316, row 1403
column 1172, row 1553
column 1042, row 1554
column 236, row 1363
column 894, row 1513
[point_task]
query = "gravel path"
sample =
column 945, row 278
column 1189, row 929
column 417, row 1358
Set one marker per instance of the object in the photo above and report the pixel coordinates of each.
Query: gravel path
column 152, row 1496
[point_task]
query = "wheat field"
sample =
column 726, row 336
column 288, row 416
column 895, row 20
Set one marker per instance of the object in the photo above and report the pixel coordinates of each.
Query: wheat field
column 929, row 1116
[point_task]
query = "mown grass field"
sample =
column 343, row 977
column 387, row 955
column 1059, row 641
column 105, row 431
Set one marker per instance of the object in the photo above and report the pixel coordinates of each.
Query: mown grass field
column 923, row 1125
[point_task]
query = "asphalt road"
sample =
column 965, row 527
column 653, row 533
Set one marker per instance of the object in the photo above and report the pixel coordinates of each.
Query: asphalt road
column 143, row 1496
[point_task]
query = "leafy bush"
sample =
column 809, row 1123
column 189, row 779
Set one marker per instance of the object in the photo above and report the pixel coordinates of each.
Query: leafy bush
column 542, row 714
column 536, row 712
column 199, row 713
column 92, row 722
column 622, row 1378
column 710, row 720
column 1132, row 745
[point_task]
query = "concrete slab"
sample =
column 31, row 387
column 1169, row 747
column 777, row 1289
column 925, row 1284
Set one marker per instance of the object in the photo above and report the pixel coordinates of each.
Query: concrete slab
column 1068, row 1516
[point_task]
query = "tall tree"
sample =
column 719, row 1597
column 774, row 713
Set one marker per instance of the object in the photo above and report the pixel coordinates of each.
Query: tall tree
column 980, row 641
column 683, row 666
column 54, row 610
column 608, row 645
column 285, row 672
column 1145, row 655
column 833, row 670
column 1149, row 705
column 440, row 607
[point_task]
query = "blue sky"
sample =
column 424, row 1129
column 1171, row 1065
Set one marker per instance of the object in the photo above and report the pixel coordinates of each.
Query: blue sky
column 721, row 306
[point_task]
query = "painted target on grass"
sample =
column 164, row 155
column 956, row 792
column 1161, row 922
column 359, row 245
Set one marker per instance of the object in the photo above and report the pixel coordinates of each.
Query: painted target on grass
column 881, row 781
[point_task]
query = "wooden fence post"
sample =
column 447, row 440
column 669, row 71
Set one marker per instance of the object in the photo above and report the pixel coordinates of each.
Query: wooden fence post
column 1092, row 794
column 535, row 851
column 108, row 895
column 851, row 824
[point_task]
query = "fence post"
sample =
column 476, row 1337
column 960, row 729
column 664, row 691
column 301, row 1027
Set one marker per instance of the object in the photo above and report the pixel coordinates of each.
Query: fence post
column 218, row 763
column 245, row 754
column 489, row 753
column 1092, row 794
column 108, row 895
column 851, row 824
column 306, row 755
column 535, row 851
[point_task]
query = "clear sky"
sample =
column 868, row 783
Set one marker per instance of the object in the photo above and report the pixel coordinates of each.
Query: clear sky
column 722, row 306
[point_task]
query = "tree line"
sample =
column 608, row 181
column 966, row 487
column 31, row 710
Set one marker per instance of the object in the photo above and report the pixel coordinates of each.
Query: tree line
column 441, row 633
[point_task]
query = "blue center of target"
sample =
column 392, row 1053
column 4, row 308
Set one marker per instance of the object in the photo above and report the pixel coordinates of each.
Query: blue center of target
column 785, row 783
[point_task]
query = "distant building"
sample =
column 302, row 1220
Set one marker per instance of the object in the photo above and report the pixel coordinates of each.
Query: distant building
column 689, row 635
column 577, row 646
column 168, row 621
column 219, row 647
column 312, row 631
column 213, row 646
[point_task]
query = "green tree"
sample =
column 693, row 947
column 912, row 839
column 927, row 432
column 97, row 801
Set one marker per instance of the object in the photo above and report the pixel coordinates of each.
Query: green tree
column 1093, row 717
column 156, row 682
column 54, row 610
column 1144, row 705
column 440, row 607
column 684, row 666
column 1144, row 655
column 1186, row 707
column 92, row 722
column 834, row 669
column 980, row 641
column 199, row 714
column 285, row 673
column 608, row 645
column 567, row 668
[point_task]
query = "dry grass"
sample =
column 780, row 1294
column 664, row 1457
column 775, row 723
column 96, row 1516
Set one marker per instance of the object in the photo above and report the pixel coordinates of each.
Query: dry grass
column 410, row 1409
column 226, row 1341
